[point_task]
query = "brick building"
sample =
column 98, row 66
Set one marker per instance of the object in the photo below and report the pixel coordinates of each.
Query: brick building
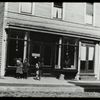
column 65, row 37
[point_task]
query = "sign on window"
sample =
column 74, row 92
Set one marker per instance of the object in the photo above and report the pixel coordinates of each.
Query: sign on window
column 35, row 55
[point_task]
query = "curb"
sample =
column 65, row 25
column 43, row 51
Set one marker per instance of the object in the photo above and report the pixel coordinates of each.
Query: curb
column 36, row 85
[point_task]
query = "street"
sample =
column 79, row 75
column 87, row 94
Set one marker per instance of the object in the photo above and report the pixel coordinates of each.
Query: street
column 32, row 92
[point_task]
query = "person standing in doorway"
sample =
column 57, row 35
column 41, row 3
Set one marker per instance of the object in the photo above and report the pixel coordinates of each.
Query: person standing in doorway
column 25, row 68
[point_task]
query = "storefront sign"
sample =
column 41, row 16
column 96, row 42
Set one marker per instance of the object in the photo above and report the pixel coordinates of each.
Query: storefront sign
column 35, row 55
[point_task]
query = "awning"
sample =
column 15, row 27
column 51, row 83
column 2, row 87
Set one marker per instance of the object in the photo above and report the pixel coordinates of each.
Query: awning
column 52, row 31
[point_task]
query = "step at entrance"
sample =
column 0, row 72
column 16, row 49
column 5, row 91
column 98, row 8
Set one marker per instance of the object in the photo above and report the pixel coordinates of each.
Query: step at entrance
column 87, row 77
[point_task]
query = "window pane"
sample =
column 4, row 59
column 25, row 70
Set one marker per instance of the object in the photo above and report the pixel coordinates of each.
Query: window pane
column 47, row 54
column 15, row 48
column 54, row 12
column 89, row 9
column 26, row 7
column 83, row 66
column 91, row 53
column 83, row 53
column 91, row 66
column 57, row 12
column 58, row 4
column 69, row 58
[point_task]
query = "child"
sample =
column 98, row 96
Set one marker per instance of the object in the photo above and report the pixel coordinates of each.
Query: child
column 25, row 68
column 37, row 72
column 19, row 70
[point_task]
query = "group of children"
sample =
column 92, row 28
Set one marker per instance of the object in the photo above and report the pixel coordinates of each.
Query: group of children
column 22, row 69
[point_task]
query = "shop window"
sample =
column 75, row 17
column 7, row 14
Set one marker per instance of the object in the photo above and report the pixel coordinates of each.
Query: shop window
column 69, row 53
column 47, row 54
column 34, row 53
column 15, row 48
column 89, row 13
column 26, row 7
column 57, row 10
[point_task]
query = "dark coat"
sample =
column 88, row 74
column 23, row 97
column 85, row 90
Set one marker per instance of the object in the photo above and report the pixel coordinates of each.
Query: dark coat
column 19, row 68
column 25, row 66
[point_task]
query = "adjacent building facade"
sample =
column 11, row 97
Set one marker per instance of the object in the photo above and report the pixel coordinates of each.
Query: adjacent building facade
column 63, row 36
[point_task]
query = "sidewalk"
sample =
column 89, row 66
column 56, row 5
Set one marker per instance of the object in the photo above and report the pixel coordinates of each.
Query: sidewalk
column 45, row 84
column 31, row 81
column 89, row 86
column 85, row 82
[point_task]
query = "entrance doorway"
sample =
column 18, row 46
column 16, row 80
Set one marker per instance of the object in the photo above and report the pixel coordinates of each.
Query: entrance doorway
column 43, row 52
column 87, row 58
column 43, row 49
column 34, row 57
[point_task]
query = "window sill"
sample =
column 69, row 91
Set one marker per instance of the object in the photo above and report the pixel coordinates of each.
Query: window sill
column 26, row 13
column 69, row 68
column 59, row 19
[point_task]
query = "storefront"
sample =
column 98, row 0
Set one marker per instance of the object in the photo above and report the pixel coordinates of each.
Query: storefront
column 58, row 54
column 75, row 57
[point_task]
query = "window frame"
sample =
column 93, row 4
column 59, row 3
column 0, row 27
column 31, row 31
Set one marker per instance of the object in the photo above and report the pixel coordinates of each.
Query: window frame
column 93, row 16
column 62, row 12
column 32, row 9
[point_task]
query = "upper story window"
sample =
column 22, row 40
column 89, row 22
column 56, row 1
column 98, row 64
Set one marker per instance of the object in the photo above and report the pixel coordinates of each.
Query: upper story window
column 89, row 13
column 26, row 7
column 57, row 10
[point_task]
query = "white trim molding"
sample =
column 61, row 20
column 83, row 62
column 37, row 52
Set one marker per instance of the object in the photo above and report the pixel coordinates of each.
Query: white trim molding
column 63, row 10
column 52, row 4
column 79, row 57
column 94, row 14
column 33, row 8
